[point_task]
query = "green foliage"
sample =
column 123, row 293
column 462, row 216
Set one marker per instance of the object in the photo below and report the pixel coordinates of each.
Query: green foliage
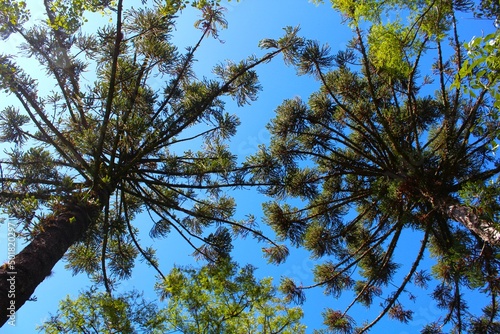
column 483, row 198
column 223, row 298
column 483, row 62
column 291, row 291
column 204, row 3
column 95, row 311
column 68, row 15
column 387, row 47
column 12, row 15
column 337, row 323
column 11, row 122
column 489, row 9
column 120, row 142
column 369, row 158
column 216, row 298
column 480, row 72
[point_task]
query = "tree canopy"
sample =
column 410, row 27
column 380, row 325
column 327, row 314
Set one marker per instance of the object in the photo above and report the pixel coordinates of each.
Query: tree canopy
column 99, row 312
column 86, row 158
column 217, row 298
column 401, row 139
column 387, row 145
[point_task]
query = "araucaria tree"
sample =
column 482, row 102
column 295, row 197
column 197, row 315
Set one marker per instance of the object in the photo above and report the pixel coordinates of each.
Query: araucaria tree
column 400, row 137
column 85, row 159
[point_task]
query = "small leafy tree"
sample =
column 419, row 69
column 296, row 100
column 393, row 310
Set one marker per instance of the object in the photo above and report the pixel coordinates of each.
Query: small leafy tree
column 223, row 298
column 387, row 146
column 99, row 312
column 86, row 159
column 217, row 298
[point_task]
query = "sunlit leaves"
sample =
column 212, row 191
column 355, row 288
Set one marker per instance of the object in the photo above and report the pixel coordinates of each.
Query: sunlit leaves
column 387, row 47
column 480, row 72
column 97, row 311
column 13, row 14
column 483, row 64
column 224, row 298
column 68, row 15
column 368, row 10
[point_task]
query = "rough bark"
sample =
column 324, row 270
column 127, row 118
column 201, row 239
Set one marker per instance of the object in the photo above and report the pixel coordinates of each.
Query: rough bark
column 483, row 228
column 20, row 276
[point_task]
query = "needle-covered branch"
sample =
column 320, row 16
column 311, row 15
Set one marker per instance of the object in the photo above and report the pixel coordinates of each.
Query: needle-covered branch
column 370, row 157
column 105, row 126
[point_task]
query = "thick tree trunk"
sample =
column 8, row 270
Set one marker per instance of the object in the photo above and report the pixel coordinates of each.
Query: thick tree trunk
column 467, row 217
column 20, row 276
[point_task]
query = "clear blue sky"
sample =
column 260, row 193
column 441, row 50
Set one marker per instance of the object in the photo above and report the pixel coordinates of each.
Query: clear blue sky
column 249, row 21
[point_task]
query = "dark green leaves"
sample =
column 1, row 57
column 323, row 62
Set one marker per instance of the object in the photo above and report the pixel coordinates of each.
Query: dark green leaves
column 291, row 44
column 11, row 122
column 139, row 134
column 212, row 20
column 218, row 245
column 369, row 156
column 291, row 118
column 292, row 291
column 314, row 59
column 241, row 84
column 287, row 222
column 321, row 240
column 276, row 254
column 335, row 281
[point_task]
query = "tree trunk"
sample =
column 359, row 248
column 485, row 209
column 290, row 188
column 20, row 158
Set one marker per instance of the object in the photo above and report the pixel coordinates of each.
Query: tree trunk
column 467, row 217
column 20, row 276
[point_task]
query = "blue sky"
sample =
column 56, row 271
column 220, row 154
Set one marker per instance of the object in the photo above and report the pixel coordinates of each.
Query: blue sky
column 249, row 21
